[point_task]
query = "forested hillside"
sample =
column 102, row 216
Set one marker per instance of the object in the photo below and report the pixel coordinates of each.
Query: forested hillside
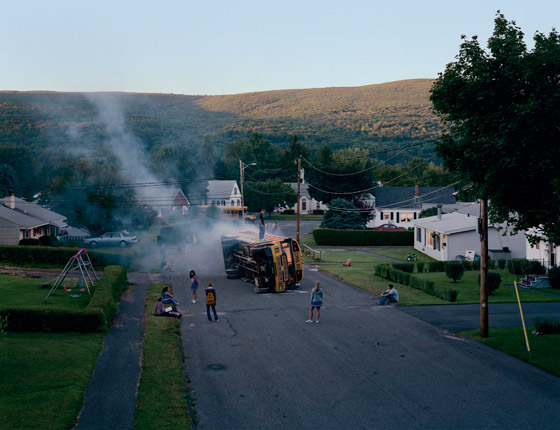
column 41, row 131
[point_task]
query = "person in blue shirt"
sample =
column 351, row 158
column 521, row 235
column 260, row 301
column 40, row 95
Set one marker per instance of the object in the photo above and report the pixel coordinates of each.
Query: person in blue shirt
column 168, row 298
column 391, row 295
column 316, row 302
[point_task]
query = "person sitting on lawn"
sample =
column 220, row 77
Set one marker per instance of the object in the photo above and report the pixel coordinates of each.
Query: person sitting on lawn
column 391, row 294
column 348, row 263
column 168, row 298
column 161, row 312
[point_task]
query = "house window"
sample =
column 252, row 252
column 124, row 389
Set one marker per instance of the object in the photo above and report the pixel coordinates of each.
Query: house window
column 238, row 202
column 223, row 202
column 27, row 234
column 418, row 234
column 232, row 203
column 184, row 210
column 303, row 205
column 234, row 190
column 406, row 217
column 386, row 215
column 430, row 238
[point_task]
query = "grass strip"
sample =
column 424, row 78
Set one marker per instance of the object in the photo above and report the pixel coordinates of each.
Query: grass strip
column 545, row 349
column 43, row 378
column 162, row 396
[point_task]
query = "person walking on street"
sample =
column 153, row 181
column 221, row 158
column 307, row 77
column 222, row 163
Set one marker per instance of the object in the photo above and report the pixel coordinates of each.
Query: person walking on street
column 316, row 302
column 211, row 301
column 261, row 224
column 194, row 284
column 391, row 294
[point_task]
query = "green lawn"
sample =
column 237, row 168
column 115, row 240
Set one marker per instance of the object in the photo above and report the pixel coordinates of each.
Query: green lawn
column 362, row 275
column 16, row 291
column 469, row 290
column 162, row 402
column 545, row 349
column 43, row 377
column 401, row 253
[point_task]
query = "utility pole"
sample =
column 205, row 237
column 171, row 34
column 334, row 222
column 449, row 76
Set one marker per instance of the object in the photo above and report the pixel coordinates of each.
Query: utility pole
column 241, row 185
column 298, row 195
column 483, row 268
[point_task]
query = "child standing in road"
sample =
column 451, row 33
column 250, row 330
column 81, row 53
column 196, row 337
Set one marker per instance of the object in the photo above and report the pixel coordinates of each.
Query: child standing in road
column 194, row 285
column 316, row 302
column 211, row 301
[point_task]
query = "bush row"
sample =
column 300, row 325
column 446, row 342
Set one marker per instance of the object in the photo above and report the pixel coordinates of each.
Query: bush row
column 96, row 316
column 407, row 278
column 546, row 325
column 47, row 256
column 334, row 237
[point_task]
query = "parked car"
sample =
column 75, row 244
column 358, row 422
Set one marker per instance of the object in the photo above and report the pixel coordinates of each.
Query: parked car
column 114, row 238
column 389, row 227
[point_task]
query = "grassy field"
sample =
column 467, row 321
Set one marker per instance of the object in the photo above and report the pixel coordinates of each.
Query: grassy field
column 362, row 275
column 16, row 291
column 162, row 402
column 43, row 377
column 545, row 349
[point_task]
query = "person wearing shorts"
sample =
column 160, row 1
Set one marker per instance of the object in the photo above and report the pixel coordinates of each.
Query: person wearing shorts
column 316, row 302
column 194, row 285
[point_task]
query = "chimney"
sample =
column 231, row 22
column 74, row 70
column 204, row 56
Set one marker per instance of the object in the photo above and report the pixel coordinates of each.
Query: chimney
column 416, row 191
column 439, row 210
column 11, row 201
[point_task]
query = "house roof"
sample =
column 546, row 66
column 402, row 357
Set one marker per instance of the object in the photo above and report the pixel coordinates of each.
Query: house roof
column 303, row 189
column 403, row 197
column 33, row 210
column 220, row 189
column 449, row 223
column 20, row 219
column 164, row 198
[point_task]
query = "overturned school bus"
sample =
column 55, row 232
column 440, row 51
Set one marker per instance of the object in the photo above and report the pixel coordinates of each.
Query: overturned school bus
column 273, row 264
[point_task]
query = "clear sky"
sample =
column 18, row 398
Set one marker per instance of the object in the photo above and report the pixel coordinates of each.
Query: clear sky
column 225, row 47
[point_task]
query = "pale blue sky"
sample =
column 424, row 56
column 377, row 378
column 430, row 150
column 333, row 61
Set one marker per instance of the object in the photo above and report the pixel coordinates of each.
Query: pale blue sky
column 224, row 47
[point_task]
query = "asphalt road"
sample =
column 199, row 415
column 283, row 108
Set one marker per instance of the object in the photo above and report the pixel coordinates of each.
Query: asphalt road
column 363, row 367
column 458, row 318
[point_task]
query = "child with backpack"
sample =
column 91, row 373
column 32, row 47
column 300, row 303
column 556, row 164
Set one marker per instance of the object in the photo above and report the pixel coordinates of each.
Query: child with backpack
column 211, row 301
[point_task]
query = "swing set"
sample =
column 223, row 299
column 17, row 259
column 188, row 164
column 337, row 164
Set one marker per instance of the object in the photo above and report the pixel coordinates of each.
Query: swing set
column 78, row 262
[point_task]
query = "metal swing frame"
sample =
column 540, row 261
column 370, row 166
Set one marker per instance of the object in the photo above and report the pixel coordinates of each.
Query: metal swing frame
column 80, row 261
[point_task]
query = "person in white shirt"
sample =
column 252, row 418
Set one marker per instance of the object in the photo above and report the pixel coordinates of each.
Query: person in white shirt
column 391, row 295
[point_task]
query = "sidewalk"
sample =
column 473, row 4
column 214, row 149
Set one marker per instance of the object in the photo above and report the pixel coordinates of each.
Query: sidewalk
column 110, row 398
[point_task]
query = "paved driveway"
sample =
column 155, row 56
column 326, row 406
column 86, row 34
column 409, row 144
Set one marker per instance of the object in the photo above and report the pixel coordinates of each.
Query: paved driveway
column 363, row 367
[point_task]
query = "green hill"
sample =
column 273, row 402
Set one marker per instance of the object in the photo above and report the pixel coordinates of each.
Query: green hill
column 39, row 127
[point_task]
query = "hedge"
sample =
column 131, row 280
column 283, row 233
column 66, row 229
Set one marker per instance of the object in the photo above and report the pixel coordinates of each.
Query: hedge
column 48, row 256
column 405, row 278
column 96, row 316
column 334, row 237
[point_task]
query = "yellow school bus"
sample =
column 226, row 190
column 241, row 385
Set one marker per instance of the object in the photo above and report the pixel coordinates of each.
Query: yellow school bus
column 234, row 213
column 273, row 264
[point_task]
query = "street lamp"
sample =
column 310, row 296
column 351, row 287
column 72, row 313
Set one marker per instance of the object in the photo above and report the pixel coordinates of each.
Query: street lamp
column 242, row 167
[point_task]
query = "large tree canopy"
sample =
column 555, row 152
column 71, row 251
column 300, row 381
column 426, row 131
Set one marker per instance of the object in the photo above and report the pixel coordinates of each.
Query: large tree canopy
column 502, row 107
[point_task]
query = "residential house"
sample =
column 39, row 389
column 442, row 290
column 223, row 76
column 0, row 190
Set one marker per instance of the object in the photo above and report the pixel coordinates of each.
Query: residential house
column 444, row 237
column 20, row 219
column 167, row 202
column 307, row 203
column 223, row 193
column 402, row 205
column 543, row 251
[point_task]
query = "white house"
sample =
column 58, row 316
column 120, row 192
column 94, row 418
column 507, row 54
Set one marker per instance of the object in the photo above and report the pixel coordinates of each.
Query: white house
column 402, row 205
column 544, row 252
column 223, row 193
column 444, row 237
column 307, row 203
column 20, row 219
column 166, row 202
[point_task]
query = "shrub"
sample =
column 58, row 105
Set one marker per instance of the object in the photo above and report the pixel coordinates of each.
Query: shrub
column 467, row 265
column 501, row 263
column 29, row 242
column 451, row 295
column 332, row 237
column 96, row 316
column 435, row 266
column 517, row 266
column 493, row 281
column 454, row 270
column 49, row 241
column 535, row 268
column 289, row 212
column 554, row 277
column 420, row 267
column 318, row 212
column 476, row 264
column 405, row 267
column 547, row 325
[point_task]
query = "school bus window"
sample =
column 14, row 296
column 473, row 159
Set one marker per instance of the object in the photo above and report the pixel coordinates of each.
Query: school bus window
column 286, row 248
